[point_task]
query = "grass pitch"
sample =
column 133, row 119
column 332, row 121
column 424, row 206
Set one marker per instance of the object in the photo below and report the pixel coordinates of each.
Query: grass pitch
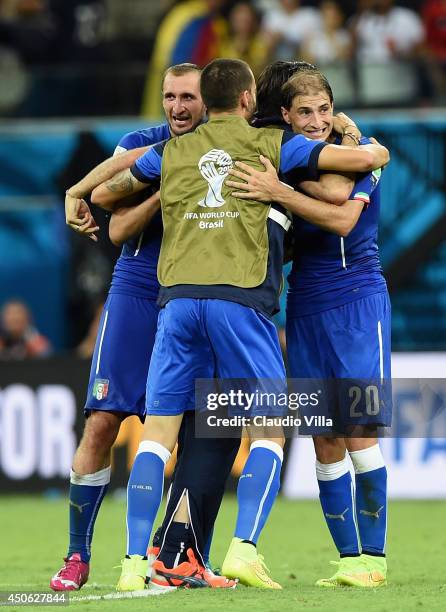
column 295, row 543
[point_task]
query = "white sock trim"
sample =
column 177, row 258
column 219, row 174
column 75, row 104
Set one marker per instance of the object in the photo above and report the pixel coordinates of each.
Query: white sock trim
column 98, row 479
column 367, row 459
column 331, row 471
column 147, row 446
column 272, row 446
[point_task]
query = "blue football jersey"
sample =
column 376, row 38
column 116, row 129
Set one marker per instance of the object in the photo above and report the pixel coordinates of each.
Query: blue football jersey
column 328, row 270
column 143, row 138
column 135, row 271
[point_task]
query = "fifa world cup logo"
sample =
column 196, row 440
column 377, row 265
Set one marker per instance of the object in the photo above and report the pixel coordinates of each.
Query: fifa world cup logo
column 214, row 168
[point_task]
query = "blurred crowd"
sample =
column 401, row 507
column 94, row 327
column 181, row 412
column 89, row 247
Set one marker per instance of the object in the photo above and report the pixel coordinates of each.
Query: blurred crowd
column 95, row 40
column 19, row 338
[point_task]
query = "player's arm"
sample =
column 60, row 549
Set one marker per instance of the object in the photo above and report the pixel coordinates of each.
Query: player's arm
column 299, row 152
column 128, row 222
column 364, row 158
column 333, row 188
column 336, row 188
column 77, row 212
column 330, row 217
column 146, row 169
column 266, row 187
column 123, row 184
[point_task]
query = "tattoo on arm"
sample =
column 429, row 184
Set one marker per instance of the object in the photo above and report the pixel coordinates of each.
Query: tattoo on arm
column 121, row 183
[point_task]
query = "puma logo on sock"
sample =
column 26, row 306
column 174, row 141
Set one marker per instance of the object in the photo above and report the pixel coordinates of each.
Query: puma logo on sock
column 372, row 514
column 79, row 506
column 341, row 517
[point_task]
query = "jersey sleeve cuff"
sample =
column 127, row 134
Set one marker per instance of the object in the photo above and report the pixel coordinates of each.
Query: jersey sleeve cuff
column 138, row 174
column 313, row 161
column 361, row 196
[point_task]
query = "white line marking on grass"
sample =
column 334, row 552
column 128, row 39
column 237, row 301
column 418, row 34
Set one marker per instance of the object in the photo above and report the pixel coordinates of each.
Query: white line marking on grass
column 44, row 587
column 125, row 595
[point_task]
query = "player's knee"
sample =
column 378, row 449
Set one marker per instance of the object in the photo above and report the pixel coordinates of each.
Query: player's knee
column 100, row 431
column 163, row 430
column 364, row 437
column 329, row 450
column 272, row 434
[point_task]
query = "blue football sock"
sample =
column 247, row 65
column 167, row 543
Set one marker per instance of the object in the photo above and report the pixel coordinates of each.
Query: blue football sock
column 144, row 493
column 371, row 499
column 207, row 548
column 86, row 494
column 337, row 501
column 257, row 489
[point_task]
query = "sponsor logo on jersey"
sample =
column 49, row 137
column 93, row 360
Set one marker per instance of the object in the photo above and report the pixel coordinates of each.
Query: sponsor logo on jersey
column 214, row 167
column 100, row 388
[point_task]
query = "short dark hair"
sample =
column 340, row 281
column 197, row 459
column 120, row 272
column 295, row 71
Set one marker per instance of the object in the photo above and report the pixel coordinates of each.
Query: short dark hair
column 304, row 84
column 181, row 69
column 222, row 82
column 269, row 84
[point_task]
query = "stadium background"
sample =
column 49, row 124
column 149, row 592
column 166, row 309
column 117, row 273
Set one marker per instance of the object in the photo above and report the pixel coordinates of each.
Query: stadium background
column 73, row 80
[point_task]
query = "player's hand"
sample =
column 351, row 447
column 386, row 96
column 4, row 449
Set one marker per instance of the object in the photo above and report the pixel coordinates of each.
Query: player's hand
column 380, row 152
column 343, row 124
column 78, row 216
column 375, row 142
column 257, row 185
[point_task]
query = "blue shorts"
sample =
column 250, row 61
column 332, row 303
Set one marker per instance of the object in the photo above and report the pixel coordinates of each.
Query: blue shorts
column 122, row 354
column 348, row 350
column 208, row 339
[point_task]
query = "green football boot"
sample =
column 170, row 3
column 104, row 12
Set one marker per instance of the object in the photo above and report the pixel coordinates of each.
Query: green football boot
column 243, row 562
column 365, row 571
column 133, row 574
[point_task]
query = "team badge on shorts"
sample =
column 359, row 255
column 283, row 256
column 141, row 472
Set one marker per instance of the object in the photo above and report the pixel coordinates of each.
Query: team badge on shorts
column 100, row 388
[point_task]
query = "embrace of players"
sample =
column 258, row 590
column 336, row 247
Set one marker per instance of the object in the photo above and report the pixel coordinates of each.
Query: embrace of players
column 183, row 305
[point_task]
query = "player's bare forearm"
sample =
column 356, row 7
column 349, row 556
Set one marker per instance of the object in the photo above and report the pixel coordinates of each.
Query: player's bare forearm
column 333, row 188
column 108, row 194
column 127, row 222
column 266, row 187
column 364, row 158
column 105, row 171
column 330, row 217
column 78, row 215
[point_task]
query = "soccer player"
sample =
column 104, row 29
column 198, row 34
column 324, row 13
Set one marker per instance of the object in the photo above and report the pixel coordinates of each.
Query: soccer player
column 127, row 330
column 197, row 465
column 216, row 297
column 338, row 326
